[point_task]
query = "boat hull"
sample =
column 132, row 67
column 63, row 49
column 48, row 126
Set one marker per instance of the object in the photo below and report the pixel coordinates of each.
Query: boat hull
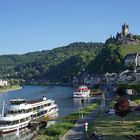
column 11, row 128
column 81, row 94
column 21, row 119
column 25, row 124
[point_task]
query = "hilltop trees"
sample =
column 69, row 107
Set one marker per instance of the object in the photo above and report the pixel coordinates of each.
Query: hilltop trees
column 61, row 64
column 57, row 65
column 108, row 60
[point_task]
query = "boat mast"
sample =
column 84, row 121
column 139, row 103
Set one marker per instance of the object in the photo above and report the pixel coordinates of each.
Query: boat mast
column 2, row 114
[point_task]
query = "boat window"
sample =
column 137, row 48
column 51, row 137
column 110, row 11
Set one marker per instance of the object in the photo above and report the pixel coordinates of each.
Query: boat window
column 28, row 110
column 33, row 116
column 38, row 114
column 11, row 111
column 22, row 120
column 14, row 111
column 5, row 122
column 19, row 111
column 48, row 104
column 23, row 111
column 34, row 108
column 15, row 122
column 42, row 106
column 45, row 105
column 18, row 102
column 9, row 123
column 2, row 123
column 38, row 107
column 27, row 118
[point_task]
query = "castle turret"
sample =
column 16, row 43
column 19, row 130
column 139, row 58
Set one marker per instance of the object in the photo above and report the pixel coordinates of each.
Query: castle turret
column 124, row 37
column 125, row 29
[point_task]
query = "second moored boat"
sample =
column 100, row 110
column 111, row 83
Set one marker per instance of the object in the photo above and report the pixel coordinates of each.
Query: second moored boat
column 81, row 92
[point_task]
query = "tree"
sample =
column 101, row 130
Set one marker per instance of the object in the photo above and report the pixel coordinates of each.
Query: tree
column 121, row 91
column 122, row 107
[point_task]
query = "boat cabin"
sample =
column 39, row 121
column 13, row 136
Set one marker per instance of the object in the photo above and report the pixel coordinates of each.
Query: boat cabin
column 17, row 101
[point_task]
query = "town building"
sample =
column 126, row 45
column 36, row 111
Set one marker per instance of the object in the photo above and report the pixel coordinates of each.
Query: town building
column 132, row 59
column 3, row 83
column 126, row 76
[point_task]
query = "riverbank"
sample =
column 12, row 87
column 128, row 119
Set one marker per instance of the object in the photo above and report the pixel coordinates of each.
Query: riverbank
column 109, row 126
column 10, row 88
column 59, row 129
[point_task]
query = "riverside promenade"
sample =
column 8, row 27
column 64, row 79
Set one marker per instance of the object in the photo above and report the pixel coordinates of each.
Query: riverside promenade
column 78, row 131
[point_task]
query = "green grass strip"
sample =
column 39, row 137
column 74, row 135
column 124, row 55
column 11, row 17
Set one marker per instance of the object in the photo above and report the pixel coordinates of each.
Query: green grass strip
column 54, row 132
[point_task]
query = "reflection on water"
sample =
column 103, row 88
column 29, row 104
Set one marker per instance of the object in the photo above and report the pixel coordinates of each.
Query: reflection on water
column 81, row 101
column 27, row 133
column 24, row 134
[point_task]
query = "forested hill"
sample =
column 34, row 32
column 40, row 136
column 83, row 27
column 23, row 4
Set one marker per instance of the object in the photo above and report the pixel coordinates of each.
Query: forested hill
column 13, row 60
column 61, row 64
column 111, row 58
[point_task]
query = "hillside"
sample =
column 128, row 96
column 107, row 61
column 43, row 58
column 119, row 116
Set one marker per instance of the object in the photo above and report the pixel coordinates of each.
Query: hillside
column 47, row 65
column 111, row 58
column 61, row 64
column 126, row 49
column 8, row 62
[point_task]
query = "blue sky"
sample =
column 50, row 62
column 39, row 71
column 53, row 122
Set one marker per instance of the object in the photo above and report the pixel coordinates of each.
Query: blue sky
column 35, row 25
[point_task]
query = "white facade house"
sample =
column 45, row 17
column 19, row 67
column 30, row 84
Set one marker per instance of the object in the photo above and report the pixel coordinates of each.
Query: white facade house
column 111, row 77
column 3, row 83
column 88, row 80
column 132, row 59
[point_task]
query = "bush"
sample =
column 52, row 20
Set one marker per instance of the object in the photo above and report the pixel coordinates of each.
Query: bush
column 59, row 129
column 136, row 87
column 121, row 91
column 122, row 107
column 54, row 131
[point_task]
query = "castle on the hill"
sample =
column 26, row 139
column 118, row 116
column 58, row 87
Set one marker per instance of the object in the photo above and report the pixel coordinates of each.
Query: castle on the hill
column 124, row 37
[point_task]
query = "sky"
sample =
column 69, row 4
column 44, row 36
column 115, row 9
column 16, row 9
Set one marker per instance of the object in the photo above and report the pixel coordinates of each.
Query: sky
column 35, row 25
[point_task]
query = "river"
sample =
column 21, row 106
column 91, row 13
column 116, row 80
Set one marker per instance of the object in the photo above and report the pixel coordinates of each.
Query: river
column 61, row 94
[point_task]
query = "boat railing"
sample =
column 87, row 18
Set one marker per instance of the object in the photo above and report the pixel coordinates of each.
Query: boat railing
column 37, row 101
column 34, row 101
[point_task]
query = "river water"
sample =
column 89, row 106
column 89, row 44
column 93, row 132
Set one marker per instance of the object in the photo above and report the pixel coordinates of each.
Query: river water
column 61, row 94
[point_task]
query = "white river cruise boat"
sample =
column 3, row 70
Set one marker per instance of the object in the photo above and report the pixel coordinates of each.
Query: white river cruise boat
column 22, row 112
column 81, row 92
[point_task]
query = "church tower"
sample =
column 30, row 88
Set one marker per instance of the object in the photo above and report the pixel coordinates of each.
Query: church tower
column 125, row 29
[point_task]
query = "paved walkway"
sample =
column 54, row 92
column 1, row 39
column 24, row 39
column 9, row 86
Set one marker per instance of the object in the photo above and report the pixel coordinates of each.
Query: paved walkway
column 78, row 131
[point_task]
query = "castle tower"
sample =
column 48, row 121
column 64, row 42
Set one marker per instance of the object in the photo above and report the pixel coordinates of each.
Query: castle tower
column 125, row 29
